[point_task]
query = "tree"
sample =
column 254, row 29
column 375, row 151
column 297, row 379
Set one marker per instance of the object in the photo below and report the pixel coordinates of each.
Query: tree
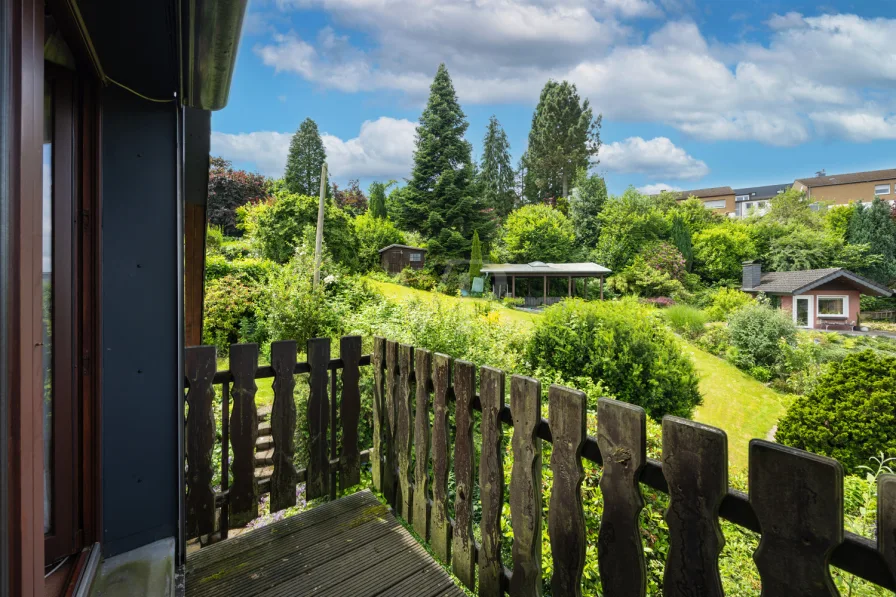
column 305, row 159
column 377, row 203
column 475, row 257
column 373, row 234
column 719, row 252
column 441, row 199
column 496, row 174
column 589, row 194
column 628, row 223
column 681, row 238
column 537, row 233
column 352, row 199
column 794, row 207
column 565, row 136
column 873, row 226
column 229, row 189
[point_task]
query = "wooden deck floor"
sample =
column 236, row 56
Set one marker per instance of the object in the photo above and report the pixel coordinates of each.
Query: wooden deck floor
column 352, row 547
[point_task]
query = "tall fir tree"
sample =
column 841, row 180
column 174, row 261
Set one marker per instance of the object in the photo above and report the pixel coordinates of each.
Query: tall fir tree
column 475, row 257
column 377, row 202
column 872, row 225
column 306, row 157
column 441, row 199
column 496, row 175
column 587, row 199
column 564, row 137
column 681, row 238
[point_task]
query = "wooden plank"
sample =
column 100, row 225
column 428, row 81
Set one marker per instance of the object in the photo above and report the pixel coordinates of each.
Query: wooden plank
column 390, row 466
column 422, row 370
column 462, row 558
column 695, row 464
column 525, row 487
column 378, row 580
column 283, row 425
column 491, row 482
column 798, row 500
column 350, row 411
column 199, row 368
column 243, row 500
column 404, row 435
column 376, row 458
column 440, row 526
column 886, row 520
column 566, row 517
column 317, row 484
column 622, row 438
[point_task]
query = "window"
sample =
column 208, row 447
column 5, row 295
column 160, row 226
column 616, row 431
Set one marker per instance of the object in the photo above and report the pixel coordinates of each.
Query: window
column 717, row 204
column 881, row 189
column 833, row 306
column 742, row 197
column 416, row 257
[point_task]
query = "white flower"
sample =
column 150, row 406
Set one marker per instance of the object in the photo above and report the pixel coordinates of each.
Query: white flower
column 330, row 279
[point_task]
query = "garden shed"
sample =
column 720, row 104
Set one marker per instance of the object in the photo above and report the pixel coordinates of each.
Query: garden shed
column 540, row 283
column 395, row 258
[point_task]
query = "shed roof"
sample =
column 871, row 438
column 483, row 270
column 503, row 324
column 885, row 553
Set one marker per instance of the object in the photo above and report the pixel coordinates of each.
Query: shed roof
column 394, row 246
column 704, row 193
column 849, row 178
column 801, row 281
column 762, row 192
column 537, row 267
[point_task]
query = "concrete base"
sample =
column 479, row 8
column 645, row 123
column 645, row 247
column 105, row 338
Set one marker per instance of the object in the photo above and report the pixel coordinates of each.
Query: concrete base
column 144, row 572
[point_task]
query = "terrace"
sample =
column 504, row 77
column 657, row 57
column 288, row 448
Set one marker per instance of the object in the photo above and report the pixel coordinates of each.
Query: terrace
column 433, row 419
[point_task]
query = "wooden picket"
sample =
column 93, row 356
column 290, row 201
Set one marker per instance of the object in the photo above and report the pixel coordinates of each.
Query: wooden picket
column 243, row 500
column 283, row 424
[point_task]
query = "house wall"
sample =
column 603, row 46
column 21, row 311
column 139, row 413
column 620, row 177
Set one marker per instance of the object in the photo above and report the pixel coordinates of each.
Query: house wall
column 395, row 260
column 140, row 322
column 848, row 193
column 730, row 204
column 854, row 307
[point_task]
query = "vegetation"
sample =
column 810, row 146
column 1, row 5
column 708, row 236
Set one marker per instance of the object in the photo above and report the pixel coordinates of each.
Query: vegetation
column 536, row 233
column 306, row 158
column 589, row 194
column 757, row 332
column 496, row 175
column 229, row 189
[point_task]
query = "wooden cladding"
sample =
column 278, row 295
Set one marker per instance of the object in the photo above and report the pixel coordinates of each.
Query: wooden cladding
column 433, row 416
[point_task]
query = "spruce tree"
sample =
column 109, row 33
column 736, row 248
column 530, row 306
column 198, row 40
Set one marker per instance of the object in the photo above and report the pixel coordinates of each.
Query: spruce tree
column 872, row 225
column 681, row 238
column 306, row 157
column 377, row 201
column 564, row 137
column 496, row 174
column 475, row 257
column 441, row 199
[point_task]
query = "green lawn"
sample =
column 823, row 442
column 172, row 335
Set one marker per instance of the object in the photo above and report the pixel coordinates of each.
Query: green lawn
column 732, row 400
column 265, row 394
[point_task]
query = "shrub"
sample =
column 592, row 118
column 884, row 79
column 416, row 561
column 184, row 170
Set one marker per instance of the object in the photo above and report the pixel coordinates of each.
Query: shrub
column 756, row 334
column 715, row 338
column 658, row 301
column 513, row 301
column 720, row 251
column 851, row 413
column 228, row 308
column 686, row 320
column 214, row 238
column 417, row 278
column 538, row 233
column 373, row 234
column 641, row 279
column 622, row 345
column 724, row 301
column 666, row 258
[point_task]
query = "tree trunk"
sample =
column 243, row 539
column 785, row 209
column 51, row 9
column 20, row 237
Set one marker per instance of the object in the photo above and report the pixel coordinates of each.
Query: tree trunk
column 565, row 186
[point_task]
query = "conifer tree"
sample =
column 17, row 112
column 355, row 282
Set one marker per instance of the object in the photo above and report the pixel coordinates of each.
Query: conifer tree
column 377, row 201
column 872, row 225
column 306, row 157
column 564, row 137
column 440, row 200
column 496, row 174
column 475, row 257
column 681, row 238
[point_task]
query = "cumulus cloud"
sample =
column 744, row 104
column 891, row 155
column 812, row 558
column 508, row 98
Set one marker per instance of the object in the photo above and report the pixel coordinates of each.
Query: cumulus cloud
column 657, row 158
column 655, row 189
column 856, row 126
column 504, row 51
column 383, row 148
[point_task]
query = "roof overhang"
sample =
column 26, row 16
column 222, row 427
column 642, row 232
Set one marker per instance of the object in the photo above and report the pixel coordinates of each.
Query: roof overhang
column 421, row 249
column 861, row 284
column 538, row 268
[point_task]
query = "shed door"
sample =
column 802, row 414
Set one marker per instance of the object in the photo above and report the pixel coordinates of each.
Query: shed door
column 395, row 261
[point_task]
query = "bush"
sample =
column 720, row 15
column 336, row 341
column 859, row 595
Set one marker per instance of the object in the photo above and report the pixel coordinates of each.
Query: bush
column 725, row 301
column 373, row 234
column 687, row 321
column 228, row 309
column 720, row 251
column 851, row 413
column 757, row 332
column 641, row 279
column 417, row 278
column 537, row 233
column 622, row 345
column 513, row 301
column 214, row 238
column 715, row 339
column 250, row 269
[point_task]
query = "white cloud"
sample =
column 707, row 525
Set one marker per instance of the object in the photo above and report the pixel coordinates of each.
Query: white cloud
column 383, row 148
column 657, row 158
column 856, row 126
column 655, row 189
column 504, row 51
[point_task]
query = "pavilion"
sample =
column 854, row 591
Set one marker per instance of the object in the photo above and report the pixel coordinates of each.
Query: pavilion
column 511, row 277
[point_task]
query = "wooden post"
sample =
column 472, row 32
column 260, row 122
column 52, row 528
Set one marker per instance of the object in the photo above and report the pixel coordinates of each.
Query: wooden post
column 569, row 289
column 491, row 482
column 525, row 486
column 317, row 482
column 440, row 530
column 318, row 241
column 350, row 460
column 513, row 286
column 601, row 288
column 283, row 424
column 200, row 370
column 545, row 289
column 243, row 434
column 462, row 556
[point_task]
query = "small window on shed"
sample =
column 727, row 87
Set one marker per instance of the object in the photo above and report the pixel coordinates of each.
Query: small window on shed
column 882, row 189
column 416, row 257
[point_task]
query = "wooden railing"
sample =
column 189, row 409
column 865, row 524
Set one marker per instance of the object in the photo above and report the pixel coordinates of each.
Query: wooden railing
column 421, row 400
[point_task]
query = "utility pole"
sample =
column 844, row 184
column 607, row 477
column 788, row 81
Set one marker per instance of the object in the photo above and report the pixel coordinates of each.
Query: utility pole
column 320, row 225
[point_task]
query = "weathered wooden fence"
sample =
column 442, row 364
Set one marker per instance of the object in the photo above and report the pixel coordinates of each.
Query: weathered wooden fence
column 795, row 501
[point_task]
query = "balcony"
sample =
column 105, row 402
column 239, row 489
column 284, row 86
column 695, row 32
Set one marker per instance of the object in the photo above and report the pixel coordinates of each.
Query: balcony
column 430, row 417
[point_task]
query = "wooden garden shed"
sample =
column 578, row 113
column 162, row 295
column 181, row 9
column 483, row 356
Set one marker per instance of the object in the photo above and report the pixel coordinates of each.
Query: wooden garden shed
column 395, row 258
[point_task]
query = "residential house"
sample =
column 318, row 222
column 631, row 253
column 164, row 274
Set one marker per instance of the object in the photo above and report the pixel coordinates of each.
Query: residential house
column 818, row 298
column 720, row 199
column 756, row 200
column 840, row 189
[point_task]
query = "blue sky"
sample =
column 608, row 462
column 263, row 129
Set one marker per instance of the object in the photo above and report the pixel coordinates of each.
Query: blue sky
column 693, row 94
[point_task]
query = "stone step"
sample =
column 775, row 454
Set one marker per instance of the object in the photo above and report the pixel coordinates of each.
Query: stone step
column 264, row 457
column 264, row 413
column 264, row 442
column 264, row 472
column 264, row 429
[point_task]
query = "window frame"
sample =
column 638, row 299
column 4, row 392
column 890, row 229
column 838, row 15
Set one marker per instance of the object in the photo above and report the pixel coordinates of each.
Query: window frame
column 711, row 204
column 844, row 313
column 742, row 198
column 877, row 188
column 415, row 257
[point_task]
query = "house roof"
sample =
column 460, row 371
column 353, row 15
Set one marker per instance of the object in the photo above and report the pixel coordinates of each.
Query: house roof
column 763, row 192
column 705, row 193
column 538, row 267
column 804, row 280
column 402, row 247
column 850, row 178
